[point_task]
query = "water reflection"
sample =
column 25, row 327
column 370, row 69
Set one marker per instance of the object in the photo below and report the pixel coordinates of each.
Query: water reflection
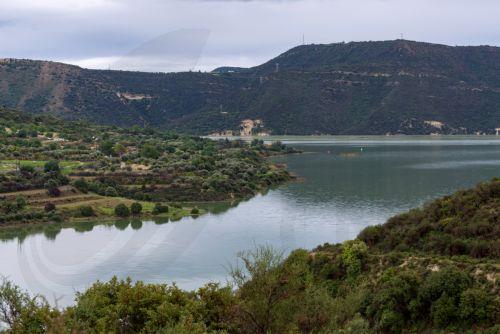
column 52, row 230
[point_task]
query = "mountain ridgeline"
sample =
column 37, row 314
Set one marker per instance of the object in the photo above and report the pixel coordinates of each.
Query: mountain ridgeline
column 388, row 87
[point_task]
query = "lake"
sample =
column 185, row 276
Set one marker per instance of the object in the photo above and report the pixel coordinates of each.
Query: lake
column 346, row 183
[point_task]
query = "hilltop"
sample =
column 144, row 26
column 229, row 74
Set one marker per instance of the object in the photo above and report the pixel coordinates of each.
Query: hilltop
column 387, row 87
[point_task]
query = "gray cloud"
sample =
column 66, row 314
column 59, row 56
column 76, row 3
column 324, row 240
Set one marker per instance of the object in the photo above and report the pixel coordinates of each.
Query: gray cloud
column 96, row 33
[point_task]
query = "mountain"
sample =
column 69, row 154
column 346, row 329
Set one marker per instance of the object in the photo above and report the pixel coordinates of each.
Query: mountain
column 396, row 87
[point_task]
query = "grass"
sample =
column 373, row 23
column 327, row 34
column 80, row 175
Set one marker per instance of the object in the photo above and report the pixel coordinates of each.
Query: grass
column 67, row 166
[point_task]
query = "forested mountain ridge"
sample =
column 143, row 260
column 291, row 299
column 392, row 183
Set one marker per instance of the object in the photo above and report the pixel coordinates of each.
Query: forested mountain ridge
column 396, row 87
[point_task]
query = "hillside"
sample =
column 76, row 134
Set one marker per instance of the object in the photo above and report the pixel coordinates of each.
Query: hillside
column 54, row 170
column 388, row 280
column 396, row 87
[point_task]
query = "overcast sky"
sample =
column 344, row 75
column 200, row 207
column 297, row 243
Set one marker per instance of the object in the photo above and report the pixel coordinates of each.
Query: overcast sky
column 204, row 34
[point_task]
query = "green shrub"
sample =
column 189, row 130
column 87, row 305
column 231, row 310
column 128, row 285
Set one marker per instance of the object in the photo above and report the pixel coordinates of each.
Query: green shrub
column 371, row 234
column 27, row 169
column 121, row 210
column 353, row 255
column 444, row 310
column 391, row 322
column 106, row 147
column 195, row 211
column 21, row 202
column 111, row 192
column 477, row 306
column 136, row 208
column 81, row 185
column 150, row 151
column 86, row 211
column 51, row 166
column 159, row 208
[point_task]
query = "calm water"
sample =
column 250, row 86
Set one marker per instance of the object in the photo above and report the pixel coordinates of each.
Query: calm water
column 348, row 184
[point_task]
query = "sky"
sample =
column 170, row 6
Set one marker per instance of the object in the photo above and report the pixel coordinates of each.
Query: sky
column 180, row 35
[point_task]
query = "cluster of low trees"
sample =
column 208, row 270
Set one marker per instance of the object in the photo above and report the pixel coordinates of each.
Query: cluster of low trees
column 142, row 164
column 339, row 292
column 26, row 177
column 187, row 168
column 466, row 223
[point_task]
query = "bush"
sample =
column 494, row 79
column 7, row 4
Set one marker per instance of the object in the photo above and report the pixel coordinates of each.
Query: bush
column 106, row 147
column 353, row 255
column 86, row 211
column 27, row 169
column 81, row 185
column 158, row 208
column 51, row 166
column 195, row 211
column 136, row 208
column 477, row 306
column 54, row 191
column 110, row 191
column 121, row 210
column 443, row 310
column 371, row 234
column 49, row 207
column 150, row 151
column 21, row 202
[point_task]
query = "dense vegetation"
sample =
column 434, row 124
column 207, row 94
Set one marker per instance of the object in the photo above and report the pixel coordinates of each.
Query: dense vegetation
column 385, row 281
column 344, row 88
column 466, row 223
column 50, row 168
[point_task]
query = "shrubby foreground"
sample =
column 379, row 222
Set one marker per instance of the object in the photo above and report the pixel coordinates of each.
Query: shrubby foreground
column 430, row 270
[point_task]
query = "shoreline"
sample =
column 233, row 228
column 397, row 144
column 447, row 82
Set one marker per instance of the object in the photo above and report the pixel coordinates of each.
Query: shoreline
column 178, row 214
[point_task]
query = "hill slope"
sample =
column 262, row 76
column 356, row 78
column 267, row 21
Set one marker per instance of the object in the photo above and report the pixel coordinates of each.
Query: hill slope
column 344, row 88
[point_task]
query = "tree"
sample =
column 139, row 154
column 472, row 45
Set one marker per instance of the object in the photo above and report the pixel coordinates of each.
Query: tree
column 136, row 208
column 27, row 169
column 149, row 151
column 121, row 210
column 119, row 149
column 23, row 313
column 111, row 192
column 106, row 147
column 159, row 208
column 21, row 202
column 86, row 211
column 51, row 166
column 353, row 255
column 81, row 185
column 268, row 288
column 477, row 306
